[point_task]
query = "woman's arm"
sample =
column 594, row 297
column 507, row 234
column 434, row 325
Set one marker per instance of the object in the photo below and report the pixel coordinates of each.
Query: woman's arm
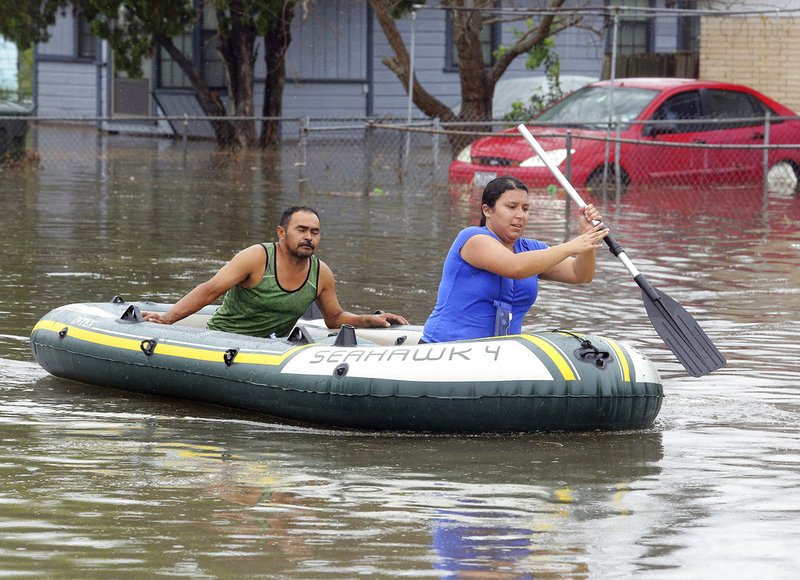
column 486, row 253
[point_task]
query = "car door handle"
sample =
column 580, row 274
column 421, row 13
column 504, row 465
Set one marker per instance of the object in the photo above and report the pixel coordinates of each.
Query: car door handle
column 700, row 141
column 757, row 137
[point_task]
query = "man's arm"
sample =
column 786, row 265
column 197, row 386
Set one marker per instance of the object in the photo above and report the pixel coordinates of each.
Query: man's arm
column 335, row 315
column 240, row 270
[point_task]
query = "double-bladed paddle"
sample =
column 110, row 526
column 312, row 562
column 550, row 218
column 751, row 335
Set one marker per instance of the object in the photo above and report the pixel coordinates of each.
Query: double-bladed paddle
column 676, row 327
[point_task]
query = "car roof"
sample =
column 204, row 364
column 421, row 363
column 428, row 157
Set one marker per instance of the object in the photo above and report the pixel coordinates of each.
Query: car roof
column 667, row 83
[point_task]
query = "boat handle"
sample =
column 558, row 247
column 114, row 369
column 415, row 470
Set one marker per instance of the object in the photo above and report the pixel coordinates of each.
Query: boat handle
column 229, row 355
column 148, row 346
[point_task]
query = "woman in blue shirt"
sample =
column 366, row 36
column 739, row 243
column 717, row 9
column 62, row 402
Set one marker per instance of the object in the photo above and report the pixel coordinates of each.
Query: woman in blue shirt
column 491, row 273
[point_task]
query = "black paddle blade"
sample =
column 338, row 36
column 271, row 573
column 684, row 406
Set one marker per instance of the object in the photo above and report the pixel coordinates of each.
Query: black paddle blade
column 682, row 334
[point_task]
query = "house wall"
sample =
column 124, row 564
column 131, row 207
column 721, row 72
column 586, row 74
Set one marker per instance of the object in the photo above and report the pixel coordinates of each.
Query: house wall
column 334, row 64
column 580, row 53
column 327, row 62
column 65, row 85
column 753, row 50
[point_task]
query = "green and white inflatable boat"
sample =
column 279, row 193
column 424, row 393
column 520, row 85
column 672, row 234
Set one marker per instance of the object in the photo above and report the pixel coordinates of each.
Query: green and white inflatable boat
column 373, row 379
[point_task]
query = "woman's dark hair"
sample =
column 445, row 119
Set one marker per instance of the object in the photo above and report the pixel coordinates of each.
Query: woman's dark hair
column 290, row 211
column 495, row 188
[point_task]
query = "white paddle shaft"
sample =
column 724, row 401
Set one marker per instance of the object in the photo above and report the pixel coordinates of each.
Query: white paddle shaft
column 569, row 188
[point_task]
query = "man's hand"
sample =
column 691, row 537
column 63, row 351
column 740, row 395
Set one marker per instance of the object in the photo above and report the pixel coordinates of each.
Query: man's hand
column 383, row 320
column 156, row 317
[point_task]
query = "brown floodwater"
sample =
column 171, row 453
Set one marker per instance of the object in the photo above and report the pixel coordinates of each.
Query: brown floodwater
column 98, row 482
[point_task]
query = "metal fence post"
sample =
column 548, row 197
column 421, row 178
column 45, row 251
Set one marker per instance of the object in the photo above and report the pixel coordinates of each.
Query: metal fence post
column 437, row 126
column 407, row 149
column 617, row 171
column 185, row 137
column 368, row 156
column 303, row 153
column 765, row 181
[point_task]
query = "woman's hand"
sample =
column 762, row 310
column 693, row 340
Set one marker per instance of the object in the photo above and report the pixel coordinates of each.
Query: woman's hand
column 586, row 215
column 589, row 240
column 383, row 320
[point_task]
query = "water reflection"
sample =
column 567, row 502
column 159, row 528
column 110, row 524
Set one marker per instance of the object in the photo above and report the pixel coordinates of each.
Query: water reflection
column 237, row 490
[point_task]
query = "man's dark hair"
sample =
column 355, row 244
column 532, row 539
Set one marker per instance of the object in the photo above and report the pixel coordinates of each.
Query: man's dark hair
column 290, row 211
column 497, row 187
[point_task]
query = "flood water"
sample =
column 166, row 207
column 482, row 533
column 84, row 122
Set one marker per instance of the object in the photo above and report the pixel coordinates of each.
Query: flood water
column 97, row 482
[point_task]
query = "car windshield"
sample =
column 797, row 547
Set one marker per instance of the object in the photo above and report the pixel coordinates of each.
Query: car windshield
column 592, row 106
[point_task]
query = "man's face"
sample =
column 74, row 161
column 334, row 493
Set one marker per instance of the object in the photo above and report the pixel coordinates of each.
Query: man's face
column 301, row 235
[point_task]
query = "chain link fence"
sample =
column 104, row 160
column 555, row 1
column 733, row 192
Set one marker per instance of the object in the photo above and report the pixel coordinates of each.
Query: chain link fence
column 376, row 156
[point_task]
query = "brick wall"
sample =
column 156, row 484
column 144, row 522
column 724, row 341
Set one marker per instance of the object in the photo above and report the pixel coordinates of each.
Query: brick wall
column 758, row 51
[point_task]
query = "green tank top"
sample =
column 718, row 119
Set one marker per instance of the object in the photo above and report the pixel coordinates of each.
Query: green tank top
column 267, row 308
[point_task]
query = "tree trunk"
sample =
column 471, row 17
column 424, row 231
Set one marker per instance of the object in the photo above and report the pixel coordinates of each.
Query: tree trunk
column 276, row 45
column 476, row 90
column 237, row 47
column 477, row 80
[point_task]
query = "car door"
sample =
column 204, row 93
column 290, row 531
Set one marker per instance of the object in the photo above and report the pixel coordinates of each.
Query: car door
column 676, row 151
column 737, row 120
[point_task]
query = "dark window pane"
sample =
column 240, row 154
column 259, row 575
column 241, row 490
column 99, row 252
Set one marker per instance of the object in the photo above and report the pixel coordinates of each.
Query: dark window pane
column 87, row 44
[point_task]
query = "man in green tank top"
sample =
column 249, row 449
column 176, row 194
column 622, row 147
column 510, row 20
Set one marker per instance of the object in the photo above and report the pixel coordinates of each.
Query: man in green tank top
column 269, row 286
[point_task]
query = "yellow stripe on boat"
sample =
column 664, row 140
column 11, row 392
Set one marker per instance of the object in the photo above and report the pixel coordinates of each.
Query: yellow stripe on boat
column 567, row 370
column 164, row 349
column 623, row 360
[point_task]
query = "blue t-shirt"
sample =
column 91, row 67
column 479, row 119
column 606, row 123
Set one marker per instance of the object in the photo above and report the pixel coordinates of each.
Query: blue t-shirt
column 465, row 307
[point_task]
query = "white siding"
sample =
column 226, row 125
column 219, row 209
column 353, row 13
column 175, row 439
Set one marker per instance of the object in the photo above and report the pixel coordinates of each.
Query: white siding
column 330, row 44
column 66, row 89
column 390, row 95
column 304, row 99
column 62, row 38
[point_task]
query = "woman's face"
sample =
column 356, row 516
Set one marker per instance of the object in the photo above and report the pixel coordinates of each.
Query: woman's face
column 509, row 216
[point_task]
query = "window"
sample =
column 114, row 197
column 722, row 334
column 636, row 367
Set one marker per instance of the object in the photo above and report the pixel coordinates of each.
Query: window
column 688, row 28
column 86, row 42
column 490, row 40
column 206, row 59
column 170, row 75
column 734, row 105
column 212, row 65
column 635, row 28
column 681, row 107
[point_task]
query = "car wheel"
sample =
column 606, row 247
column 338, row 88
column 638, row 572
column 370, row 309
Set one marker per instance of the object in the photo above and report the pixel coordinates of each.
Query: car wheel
column 596, row 184
column 783, row 178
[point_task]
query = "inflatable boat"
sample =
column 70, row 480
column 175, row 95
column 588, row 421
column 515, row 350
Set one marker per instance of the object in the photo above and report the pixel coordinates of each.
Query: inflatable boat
column 371, row 379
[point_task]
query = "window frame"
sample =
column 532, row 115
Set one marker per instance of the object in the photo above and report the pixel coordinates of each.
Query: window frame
column 196, row 39
column 688, row 28
column 647, row 21
column 85, row 41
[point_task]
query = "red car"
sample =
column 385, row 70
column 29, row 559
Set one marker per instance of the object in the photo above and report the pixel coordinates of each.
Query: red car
column 669, row 130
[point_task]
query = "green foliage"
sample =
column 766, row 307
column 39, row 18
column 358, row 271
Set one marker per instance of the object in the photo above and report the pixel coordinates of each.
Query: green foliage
column 25, row 79
column 398, row 8
column 132, row 26
column 25, row 22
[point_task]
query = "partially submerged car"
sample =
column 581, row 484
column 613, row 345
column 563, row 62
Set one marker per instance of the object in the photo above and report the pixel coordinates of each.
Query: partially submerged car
column 678, row 131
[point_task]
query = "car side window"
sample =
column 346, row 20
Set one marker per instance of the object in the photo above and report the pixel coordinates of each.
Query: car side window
column 740, row 107
column 681, row 107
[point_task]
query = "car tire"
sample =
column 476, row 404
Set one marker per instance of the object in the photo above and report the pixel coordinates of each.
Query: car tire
column 594, row 183
column 783, row 178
